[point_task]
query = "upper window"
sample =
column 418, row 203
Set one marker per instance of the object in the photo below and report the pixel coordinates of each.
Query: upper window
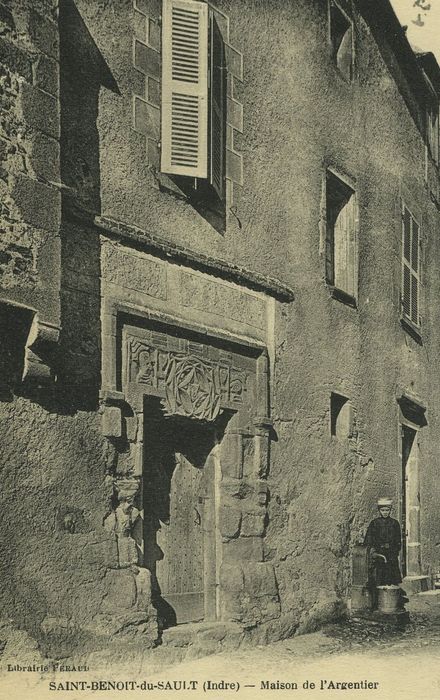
column 341, row 36
column 193, row 93
column 341, row 236
column 410, row 267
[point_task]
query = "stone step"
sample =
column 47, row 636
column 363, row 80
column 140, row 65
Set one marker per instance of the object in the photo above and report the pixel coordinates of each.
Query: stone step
column 204, row 635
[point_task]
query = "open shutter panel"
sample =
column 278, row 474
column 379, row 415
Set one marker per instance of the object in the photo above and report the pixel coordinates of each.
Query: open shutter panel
column 406, row 263
column 217, row 121
column 329, row 249
column 415, row 273
column 185, row 88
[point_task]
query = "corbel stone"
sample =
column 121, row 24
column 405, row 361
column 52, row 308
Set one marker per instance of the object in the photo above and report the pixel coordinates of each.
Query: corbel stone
column 39, row 353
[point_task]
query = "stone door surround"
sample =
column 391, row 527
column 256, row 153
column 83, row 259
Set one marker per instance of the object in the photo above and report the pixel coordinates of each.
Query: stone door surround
column 207, row 378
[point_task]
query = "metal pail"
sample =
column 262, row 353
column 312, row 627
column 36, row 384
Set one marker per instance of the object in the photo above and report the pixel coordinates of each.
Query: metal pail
column 388, row 599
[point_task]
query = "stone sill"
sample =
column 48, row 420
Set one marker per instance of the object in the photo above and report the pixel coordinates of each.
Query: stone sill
column 342, row 296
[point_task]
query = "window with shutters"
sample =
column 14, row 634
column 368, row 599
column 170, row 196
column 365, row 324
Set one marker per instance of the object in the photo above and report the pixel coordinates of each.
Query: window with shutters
column 193, row 95
column 341, row 238
column 410, row 297
column 341, row 37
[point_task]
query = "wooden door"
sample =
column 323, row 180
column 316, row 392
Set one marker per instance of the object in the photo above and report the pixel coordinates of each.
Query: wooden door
column 179, row 516
column 180, row 572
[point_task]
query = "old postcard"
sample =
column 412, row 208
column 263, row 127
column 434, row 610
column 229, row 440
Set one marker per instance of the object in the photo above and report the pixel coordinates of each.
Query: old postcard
column 219, row 349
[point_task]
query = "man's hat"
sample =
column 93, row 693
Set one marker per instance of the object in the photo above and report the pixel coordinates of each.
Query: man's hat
column 384, row 502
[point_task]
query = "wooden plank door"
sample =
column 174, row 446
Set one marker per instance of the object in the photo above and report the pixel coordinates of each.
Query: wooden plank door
column 180, row 573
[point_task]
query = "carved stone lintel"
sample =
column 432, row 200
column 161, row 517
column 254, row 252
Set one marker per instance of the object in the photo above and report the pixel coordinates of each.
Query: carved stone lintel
column 39, row 351
column 192, row 384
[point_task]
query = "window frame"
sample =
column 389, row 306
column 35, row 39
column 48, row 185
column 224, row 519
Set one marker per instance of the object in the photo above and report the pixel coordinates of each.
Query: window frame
column 207, row 180
column 347, row 296
column 333, row 4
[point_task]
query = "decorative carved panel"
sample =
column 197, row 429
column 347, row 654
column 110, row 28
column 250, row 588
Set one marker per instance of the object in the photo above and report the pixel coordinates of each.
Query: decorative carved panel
column 191, row 384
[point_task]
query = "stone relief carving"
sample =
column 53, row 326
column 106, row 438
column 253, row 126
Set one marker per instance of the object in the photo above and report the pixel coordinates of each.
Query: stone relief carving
column 194, row 386
column 123, row 520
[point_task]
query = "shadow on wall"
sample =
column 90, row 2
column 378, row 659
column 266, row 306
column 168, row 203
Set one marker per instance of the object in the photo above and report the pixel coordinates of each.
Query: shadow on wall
column 83, row 71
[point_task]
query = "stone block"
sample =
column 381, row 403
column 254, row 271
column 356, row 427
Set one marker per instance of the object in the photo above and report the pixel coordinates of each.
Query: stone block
column 44, row 34
column 143, row 589
column 153, row 153
column 234, row 114
column 234, row 166
column 103, row 553
column 153, row 91
column 41, row 110
column 39, row 204
column 414, row 521
column 147, row 60
column 262, row 492
column 262, row 456
column 259, row 579
column 231, row 607
column 131, row 427
column 236, row 488
column 146, row 118
column 45, row 157
column 46, row 75
column 237, row 141
column 234, row 61
column 229, row 521
column 140, row 26
column 253, row 524
column 112, row 422
column 229, row 137
column 243, row 549
column 17, row 60
column 248, row 456
column 120, row 589
column 143, row 6
column 154, row 38
column 231, row 456
column 231, row 577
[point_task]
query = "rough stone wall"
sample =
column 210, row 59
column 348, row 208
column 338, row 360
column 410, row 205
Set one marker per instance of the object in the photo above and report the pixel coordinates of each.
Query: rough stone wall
column 298, row 116
column 29, row 153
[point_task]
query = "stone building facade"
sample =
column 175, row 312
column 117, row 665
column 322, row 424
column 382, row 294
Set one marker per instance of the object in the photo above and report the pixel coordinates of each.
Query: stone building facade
column 219, row 311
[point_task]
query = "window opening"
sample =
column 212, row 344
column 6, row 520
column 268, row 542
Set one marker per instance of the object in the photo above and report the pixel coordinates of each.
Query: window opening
column 341, row 244
column 341, row 416
column 341, row 31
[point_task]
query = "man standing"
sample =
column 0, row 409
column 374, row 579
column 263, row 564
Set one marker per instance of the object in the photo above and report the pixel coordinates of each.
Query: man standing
column 384, row 542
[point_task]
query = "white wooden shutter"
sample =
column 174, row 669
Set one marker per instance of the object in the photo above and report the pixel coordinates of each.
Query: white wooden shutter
column 415, row 244
column 184, row 88
column 217, row 109
column 410, row 266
